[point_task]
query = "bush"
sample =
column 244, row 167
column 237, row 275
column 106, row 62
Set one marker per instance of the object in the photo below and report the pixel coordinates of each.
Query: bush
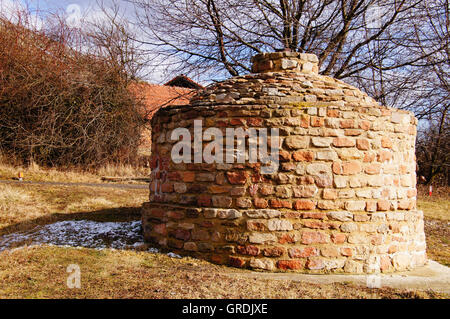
column 61, row 105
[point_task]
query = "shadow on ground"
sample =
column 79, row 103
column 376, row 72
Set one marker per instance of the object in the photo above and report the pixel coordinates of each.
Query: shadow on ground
column 120, row 214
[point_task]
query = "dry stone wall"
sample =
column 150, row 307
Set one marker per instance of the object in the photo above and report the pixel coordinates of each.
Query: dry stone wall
column 342, row 200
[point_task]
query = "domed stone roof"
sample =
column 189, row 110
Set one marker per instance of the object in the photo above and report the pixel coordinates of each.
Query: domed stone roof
column 284, row 78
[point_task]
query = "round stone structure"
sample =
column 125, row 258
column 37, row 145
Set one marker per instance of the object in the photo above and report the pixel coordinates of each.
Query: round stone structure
column 343, row 198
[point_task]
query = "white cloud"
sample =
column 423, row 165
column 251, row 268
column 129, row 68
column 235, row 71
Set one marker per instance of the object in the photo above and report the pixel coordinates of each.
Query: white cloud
column 14, row 11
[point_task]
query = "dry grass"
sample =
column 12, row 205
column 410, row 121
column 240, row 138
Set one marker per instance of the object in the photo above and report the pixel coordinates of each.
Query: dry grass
column 24, row 206
column 436, row 210
column 40, row 272
column 131, row 274
column 37, row 174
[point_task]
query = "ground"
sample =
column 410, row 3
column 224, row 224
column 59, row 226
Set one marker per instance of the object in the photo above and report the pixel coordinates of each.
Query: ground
column 41, row 272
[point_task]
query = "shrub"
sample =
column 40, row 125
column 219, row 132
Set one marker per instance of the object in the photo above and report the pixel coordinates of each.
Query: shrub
column 62, row 103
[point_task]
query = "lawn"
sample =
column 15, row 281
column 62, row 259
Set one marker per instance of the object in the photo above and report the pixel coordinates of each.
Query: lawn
column 40, row 272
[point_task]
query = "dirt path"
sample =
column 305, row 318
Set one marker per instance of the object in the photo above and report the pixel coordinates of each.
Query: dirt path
column 433, row 276
column 107, row 185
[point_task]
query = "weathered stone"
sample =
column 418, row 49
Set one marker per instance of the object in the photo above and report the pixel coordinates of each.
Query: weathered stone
column 342, row 216
column 262, row 238
column 279, row 224
column 263, row 213
column 265, row 264
column 296, row 142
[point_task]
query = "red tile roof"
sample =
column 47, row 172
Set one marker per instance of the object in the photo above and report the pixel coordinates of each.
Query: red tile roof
column 155, row 96
column 183, row 81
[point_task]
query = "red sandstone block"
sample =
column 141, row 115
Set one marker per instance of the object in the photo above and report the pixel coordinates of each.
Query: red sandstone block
column 274, row 251
column 371, row 206
column 290, row 264
column 306, row 180
column 346, row 251
column 315, row 215
column 338, row 238
column 385, row 263
column 362, row 144
column 365, row 125
column 351, row 168
column 238, row 177
column 187, row 176
column 369, row 157
column 317, row 121
column 248, row 250
column 303, row 156
column 256, row 225
column 254, row 121
column 286, row 239
column 173, row 176
column 332, row 113
column 315, row 224
column 266, row 189
column 329, row 193
column 383, row 205
column 347, row 123
column 236, row 262
column 314, row 263
column 352, row 132
column 216, row 189
column 222, row 123
column 343, row 142
column 337, row 168
column 261, row 203
column 237, row 121
column 305, row 121
column 217, row 259
column 314, row 237
column 220, row 178
column 277, row 203
column 167, row 187
column 330, row 251
column 291, row 215
column 243, row 202
column 386, row 142
column 304, row 204
column 204, row 200
column 284, row 156
column 303, row 252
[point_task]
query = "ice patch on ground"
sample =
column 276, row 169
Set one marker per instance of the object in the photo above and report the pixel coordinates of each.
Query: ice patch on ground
column 79, row 233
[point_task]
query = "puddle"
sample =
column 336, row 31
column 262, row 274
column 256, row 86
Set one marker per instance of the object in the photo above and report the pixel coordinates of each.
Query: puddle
column 79, row 233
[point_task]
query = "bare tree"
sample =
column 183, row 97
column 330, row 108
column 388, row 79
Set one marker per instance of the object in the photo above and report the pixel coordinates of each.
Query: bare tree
column 395, row 50
column 432, row 100
column 112, row 36
column 212, row 35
